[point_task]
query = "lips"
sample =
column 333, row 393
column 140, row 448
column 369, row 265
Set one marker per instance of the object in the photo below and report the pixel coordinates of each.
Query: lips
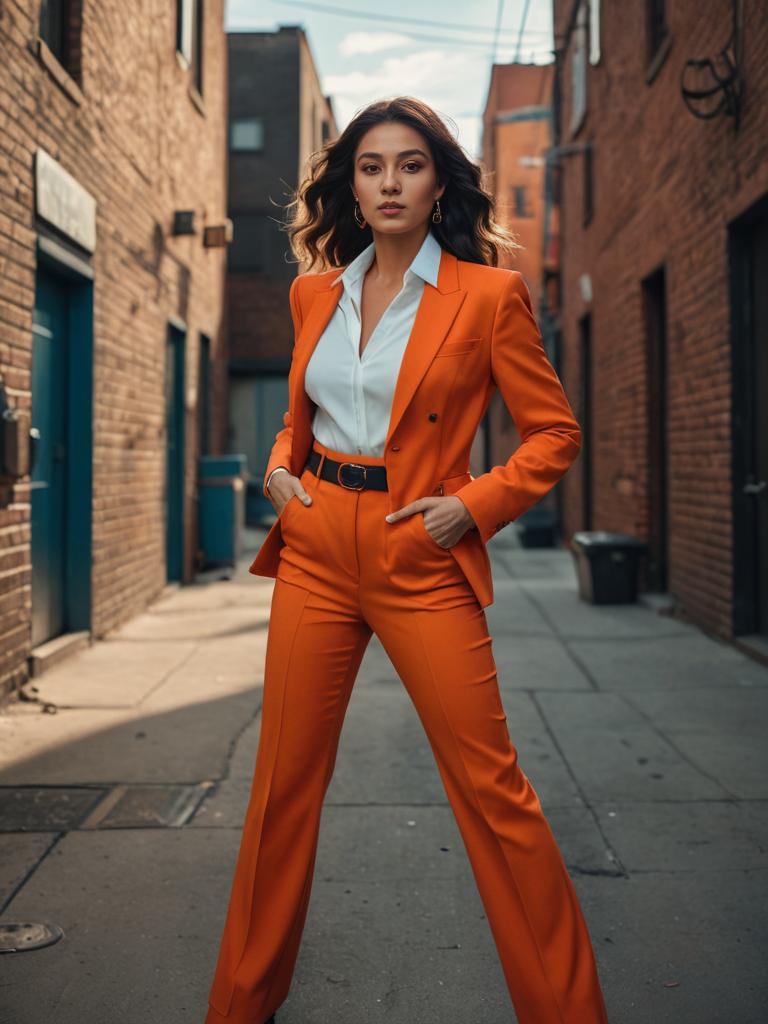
column 391, row 206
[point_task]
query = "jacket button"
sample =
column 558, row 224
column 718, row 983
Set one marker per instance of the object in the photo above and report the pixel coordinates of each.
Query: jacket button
column 395, row 448
column 433, row 416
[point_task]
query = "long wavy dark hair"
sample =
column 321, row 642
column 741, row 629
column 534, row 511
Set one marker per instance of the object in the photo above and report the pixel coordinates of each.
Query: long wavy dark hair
column 322, row 228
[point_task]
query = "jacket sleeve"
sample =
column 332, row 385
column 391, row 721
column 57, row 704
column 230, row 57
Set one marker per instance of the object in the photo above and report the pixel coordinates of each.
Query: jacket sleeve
column 281, row 449
column 532, row 392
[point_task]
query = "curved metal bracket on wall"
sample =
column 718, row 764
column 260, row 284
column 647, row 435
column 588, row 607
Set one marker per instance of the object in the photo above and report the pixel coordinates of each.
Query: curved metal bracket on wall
column 724, row 94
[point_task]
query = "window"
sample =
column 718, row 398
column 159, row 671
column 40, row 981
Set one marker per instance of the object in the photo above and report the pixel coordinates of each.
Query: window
column 189, row 37
column 657, row 25
column 579, row 68
column 53, row 27
column 58, row 43
column 520, row 207
column 246, row 135
column 59, row 32
column 594, row 31
column 658, row 39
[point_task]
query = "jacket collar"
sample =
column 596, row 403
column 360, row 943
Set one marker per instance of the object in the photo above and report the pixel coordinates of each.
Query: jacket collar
column 425, row 264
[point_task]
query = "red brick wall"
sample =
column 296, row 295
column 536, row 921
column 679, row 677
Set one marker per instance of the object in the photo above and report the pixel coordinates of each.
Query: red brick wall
column 139, row 142
column 666, row 184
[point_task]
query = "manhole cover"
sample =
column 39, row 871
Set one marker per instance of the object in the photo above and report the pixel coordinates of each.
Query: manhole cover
column 24, row 935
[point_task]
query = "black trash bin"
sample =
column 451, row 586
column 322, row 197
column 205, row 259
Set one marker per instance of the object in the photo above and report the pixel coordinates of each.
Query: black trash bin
column 537, row 528
column 607, row 565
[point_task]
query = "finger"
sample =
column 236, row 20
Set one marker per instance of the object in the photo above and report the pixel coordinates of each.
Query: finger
column 413, row 506
column 401, row 513
column 305, row 498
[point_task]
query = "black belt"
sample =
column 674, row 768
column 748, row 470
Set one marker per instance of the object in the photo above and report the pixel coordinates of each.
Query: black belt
column 352, row 475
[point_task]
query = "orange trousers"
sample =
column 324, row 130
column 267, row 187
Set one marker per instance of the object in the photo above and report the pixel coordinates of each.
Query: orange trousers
column 344, row 574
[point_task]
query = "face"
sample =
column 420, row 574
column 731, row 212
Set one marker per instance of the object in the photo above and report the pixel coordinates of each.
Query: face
column 393, row 164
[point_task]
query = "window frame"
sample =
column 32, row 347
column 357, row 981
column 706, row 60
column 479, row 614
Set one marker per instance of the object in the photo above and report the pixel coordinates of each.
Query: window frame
column 256, row 118
column 190, row 34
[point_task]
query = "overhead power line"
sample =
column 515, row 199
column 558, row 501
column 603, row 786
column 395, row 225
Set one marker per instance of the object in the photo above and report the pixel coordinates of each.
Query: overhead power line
column 402, row 20
column 522, row 28
column 497, row 30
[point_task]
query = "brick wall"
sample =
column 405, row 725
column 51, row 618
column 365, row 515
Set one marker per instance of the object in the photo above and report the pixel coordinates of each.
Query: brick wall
column 666, row 184
column 129, row 128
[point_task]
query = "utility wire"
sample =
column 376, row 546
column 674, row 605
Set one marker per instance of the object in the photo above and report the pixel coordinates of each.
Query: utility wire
column 497, row 29
column 522, row 29
column 357, row 14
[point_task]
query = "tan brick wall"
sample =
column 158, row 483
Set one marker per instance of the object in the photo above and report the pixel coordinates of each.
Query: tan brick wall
column 143, row 147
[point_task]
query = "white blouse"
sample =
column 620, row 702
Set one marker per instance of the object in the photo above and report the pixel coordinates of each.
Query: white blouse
column 354, row 394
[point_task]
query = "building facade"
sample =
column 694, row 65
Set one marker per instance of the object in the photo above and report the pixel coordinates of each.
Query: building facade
column 278, row 116
column 112, row 359
column 516, row 147
column 662, row 126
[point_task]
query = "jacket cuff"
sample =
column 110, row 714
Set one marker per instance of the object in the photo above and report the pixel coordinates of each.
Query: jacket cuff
column 269, row 477
column 479, row 497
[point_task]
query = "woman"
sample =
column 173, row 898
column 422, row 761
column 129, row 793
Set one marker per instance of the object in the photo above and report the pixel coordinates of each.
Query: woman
column 381, row 528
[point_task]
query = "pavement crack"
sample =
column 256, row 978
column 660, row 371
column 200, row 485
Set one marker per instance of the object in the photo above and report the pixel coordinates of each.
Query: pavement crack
column 5, row 904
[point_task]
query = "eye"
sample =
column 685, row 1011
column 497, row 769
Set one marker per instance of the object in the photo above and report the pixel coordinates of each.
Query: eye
column 367, row 167
column 413, row 163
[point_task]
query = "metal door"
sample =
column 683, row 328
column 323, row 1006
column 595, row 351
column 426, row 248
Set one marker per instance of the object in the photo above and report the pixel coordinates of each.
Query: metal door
column 748, row 260
column 50, row 361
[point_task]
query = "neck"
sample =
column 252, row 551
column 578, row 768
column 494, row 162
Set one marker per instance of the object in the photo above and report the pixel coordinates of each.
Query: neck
column 394, row 254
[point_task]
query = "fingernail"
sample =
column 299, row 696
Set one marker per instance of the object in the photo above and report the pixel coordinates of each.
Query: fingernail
column 388, row 518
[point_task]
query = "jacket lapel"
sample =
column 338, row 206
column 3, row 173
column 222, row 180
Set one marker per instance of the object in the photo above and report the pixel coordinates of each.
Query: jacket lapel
column 436, row 312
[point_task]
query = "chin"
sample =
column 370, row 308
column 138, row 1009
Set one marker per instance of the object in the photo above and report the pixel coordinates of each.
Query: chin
column 394, row 226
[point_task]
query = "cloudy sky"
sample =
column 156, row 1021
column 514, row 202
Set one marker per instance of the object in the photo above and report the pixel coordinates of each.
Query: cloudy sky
column 438, row 50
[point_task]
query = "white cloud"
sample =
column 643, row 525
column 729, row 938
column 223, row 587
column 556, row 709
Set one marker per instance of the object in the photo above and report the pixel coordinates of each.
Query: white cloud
column 443, row 80
column 371, row 42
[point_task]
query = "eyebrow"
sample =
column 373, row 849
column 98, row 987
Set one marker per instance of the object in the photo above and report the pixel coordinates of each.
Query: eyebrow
column 405, row 152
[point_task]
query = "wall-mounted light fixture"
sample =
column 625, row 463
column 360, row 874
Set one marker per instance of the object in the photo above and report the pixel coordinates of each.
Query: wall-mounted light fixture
column 217, row 236
column 15, row 440
column 183, row 222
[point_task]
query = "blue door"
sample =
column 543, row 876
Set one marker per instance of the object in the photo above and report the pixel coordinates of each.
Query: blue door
column 174, row 464
column 50, row 361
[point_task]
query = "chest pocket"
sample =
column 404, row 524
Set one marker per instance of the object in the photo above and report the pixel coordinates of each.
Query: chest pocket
column 458, row 348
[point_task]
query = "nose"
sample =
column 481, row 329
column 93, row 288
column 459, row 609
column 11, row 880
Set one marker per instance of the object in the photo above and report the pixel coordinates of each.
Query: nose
column 389, row 182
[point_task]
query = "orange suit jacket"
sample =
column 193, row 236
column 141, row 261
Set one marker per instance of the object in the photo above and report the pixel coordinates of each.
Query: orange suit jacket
column 472, row 333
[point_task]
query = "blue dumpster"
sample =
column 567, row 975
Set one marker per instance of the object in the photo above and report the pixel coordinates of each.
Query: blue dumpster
column 221, row 508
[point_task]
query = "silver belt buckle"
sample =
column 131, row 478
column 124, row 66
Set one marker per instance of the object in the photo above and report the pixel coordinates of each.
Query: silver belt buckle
column 352, row 487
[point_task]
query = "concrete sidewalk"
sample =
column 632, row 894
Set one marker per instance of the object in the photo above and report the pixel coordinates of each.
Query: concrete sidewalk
column 645, row 740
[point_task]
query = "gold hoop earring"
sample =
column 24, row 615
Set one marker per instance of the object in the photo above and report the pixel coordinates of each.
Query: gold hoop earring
column 436, row 214
column 357, row 213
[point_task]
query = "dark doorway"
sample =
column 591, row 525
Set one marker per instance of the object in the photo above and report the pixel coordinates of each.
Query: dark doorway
column 174, row 464
column 748, row 266
column 657, row 441
column 585, row 419
column 204, row 397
